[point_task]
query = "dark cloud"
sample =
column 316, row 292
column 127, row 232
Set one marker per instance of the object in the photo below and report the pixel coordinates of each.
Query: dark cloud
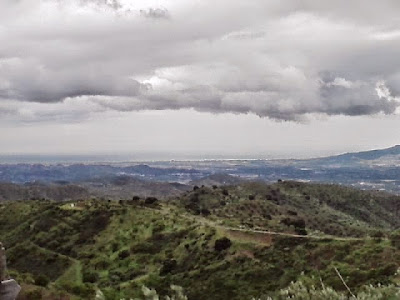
column 31, row 82
column 354, row 99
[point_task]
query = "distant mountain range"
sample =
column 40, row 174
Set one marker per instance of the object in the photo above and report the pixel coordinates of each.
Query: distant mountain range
column 376, row 169
column 381, row 156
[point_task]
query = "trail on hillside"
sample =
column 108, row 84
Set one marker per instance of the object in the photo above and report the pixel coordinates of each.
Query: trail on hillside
column 206, row 222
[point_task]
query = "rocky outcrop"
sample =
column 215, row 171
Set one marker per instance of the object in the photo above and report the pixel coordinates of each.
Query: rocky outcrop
column 9, row 288
column 3, row 264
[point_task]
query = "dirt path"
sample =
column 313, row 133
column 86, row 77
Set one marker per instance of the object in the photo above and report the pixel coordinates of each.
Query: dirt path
column 255, row 235
column 292, row 235
column 203, row 221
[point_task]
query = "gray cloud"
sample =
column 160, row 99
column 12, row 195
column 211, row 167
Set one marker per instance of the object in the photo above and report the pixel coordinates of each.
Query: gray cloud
column 281, row 60
column 28, row 81
column 340, row 100
column 155, row 13
column 113, row 4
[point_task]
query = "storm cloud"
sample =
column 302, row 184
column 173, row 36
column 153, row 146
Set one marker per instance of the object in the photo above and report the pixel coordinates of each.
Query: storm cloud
column 282, row 60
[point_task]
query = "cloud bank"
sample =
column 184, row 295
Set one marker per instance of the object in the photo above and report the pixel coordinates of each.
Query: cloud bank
column 280, row 60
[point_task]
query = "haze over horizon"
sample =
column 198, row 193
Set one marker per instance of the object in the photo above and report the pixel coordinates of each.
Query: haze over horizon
column 233, row 79
column 148, row 156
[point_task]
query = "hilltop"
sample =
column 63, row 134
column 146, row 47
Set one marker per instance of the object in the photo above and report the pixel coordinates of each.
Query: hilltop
column 228, row 242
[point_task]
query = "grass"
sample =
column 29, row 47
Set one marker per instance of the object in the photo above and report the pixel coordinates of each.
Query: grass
column 73, row 275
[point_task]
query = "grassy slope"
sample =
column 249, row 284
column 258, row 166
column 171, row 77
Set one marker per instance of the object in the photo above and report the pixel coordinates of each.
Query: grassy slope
column 117, row 247
column 330, row 209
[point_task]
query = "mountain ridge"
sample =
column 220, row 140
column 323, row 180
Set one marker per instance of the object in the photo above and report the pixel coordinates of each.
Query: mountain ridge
column 367, row 155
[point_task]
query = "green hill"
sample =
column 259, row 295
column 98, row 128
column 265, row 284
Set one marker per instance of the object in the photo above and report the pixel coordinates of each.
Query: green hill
column 233, row 242
column 319, row 208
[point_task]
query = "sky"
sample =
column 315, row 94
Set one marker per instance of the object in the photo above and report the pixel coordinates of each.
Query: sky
column 257, row 79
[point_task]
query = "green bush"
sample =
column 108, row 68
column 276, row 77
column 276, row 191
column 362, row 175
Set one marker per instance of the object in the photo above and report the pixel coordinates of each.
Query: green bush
column 35, row 294
column 302, row 290
column 90, row 276
column 222, row 244
column 42, row 280
column 395, row 239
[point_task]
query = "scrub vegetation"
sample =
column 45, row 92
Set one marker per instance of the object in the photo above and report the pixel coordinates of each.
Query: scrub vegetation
column 247, row 241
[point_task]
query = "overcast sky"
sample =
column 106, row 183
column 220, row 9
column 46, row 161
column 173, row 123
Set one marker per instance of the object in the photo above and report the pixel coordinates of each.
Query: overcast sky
column 252, row 78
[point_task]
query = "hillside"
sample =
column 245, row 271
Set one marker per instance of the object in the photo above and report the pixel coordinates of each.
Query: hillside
column 217, row 179
column 237, row 242
column 124, row 186
column 330, row 209
column 10, row 191
column 372, row 154
column 377, row 157
column 112, row 187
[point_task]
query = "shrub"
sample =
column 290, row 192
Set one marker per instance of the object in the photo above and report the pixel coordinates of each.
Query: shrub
column 42, row 280
column 301, row 290
column 378, row 235
column 300, row 231
column 123, row 254
column 298, row 223
column 114, row 246
column 82, row 290
column 168, row 266
column 222, row 244
column 177, row 293
column 150, row 200
column 395, row 239
column 388, row 269
column 35, row 294
column 267, row 216
column 205, row 212
column 90, row 276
